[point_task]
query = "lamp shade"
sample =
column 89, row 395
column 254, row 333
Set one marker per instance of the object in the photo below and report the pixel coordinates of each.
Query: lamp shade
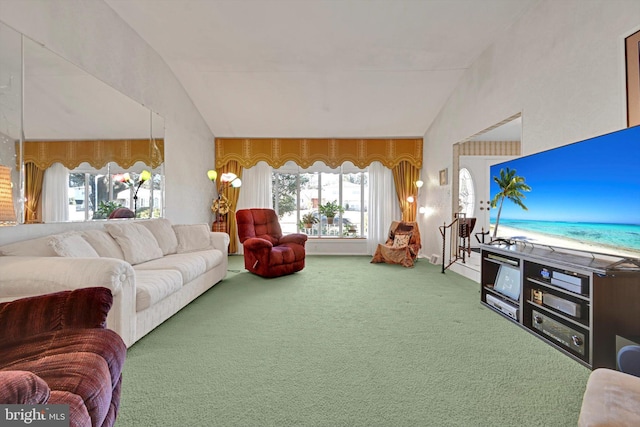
column 7, row 210
column 145, row 175
column 228, row 177
column 213, row 175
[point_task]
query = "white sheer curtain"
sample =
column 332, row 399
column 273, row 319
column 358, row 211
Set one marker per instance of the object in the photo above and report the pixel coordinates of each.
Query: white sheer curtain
column 256, row 190
column 383, row 205
column 55, row 195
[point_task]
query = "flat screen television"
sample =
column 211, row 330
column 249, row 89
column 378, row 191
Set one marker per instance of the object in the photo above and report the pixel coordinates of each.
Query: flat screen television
column 584, row 196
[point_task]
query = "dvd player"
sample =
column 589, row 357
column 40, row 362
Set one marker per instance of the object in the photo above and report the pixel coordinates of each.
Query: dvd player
column 503, row 306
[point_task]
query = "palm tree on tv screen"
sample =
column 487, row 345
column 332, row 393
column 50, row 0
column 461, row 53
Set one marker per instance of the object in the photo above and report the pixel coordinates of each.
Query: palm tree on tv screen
column 511, row 187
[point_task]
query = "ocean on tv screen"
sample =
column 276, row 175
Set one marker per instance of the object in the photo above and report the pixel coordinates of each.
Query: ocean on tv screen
column 584, row 195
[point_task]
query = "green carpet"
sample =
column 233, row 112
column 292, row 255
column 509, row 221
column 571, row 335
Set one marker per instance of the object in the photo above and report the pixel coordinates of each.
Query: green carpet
column 346, row 343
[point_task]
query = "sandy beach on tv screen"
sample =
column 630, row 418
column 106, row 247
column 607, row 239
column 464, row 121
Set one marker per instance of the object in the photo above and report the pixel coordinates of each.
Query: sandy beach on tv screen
column 560, row 242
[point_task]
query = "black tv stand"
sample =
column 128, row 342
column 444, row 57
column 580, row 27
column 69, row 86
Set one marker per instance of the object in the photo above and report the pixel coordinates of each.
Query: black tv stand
column 577, row 302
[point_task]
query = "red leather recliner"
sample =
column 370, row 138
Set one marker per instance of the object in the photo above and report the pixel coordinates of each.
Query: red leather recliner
column 267, row 252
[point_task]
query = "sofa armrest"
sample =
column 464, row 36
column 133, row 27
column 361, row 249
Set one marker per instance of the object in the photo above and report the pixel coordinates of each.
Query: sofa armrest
column 80, row 308
column 23, row 387
column 298, row 238
column 256, row 244
column 219, row 241
column 611, row 398
column 30, row 276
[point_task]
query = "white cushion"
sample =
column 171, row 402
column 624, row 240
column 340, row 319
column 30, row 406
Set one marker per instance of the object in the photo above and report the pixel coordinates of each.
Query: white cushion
column 211, row 257
column 137, row 243
column 31, row 247
column 103, row 243
column 152, row 286
column 72, row 245
column 163, row 232
column 190, row 266
column 192, row 237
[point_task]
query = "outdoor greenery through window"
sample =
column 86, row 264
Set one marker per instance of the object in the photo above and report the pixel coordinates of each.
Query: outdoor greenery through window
column 94, row 194
column 322, row 202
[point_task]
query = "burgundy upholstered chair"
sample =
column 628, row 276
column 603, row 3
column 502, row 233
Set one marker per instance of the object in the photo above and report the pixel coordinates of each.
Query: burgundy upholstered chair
column 56, row 350
column 267, row 252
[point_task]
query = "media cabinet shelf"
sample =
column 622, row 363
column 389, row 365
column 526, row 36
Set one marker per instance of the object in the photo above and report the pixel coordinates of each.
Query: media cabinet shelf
column 593, row 298
column 580, row 323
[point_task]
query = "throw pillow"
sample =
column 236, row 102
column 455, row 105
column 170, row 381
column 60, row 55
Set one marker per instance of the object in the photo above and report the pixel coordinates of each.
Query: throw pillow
column 401, row 240
column 72, row 245
column 192, row 237
column 137, row 243
column 103, row 243
column 163, row 232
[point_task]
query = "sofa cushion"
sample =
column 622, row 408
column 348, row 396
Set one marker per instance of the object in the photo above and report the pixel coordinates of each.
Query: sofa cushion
column 192, row 237
column 190, row 266
column 211, row 257
column 105, row 245
column 31, row 247
column 136, row 241
column 153, row 286
column 72, row 245
column 163, row 232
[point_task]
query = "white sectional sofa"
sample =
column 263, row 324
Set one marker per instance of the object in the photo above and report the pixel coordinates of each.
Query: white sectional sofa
column 152, row 267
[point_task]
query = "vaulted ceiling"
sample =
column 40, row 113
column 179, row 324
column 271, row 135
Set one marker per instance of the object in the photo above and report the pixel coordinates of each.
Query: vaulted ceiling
column 319, row 68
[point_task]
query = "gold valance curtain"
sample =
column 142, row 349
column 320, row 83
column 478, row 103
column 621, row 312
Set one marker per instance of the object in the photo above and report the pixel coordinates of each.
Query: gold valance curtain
column 124, row 152
column 332, row 151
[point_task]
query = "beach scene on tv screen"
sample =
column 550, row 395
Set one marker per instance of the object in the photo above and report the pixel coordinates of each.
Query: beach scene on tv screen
column 583, row 196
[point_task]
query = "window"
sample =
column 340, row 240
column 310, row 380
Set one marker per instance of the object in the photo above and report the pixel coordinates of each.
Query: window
column 467, row 193
column 298, row 195
column 94, row 194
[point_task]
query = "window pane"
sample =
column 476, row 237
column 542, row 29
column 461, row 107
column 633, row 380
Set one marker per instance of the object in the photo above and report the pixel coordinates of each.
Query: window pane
column 297, row 199
column 94, row 194
column 285, row 197
column 77, row 197
column 99, row 192
column 352, row 196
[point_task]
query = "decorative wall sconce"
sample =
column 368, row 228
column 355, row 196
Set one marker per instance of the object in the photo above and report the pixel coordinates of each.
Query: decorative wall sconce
column 7, row 209
column 419, row 184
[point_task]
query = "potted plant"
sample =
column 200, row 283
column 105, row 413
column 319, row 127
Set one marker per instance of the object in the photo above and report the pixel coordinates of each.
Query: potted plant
column 105, row 208
column 330, row 210
column 308, row 220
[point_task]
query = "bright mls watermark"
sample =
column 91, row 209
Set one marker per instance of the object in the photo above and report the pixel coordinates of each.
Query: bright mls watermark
column 34, row 415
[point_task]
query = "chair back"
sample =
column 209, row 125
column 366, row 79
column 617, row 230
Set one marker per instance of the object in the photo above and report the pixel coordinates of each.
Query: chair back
column 258, row 222
column 628, row 359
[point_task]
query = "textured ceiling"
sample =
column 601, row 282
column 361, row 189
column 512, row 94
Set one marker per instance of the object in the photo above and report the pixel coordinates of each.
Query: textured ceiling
column 319, row 68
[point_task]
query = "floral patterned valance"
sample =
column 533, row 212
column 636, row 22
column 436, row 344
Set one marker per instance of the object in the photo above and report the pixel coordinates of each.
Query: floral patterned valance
column 332, row 151
column 124, row 152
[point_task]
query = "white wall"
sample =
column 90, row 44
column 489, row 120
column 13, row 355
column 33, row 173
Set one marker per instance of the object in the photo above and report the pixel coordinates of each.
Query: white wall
column 92, row 36
column 562, row 65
